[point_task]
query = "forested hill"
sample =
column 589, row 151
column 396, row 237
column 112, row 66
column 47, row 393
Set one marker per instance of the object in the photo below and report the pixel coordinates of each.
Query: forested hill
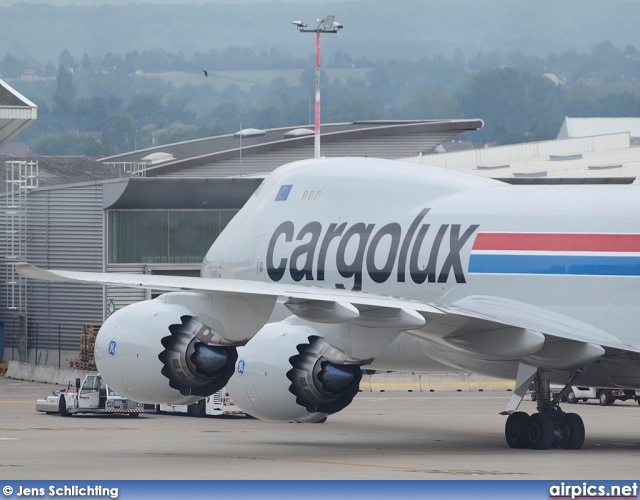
column 373, row 28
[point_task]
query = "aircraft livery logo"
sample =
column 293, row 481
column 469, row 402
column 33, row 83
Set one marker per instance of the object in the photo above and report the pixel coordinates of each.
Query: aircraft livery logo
column 305, row 251
column 556, row 254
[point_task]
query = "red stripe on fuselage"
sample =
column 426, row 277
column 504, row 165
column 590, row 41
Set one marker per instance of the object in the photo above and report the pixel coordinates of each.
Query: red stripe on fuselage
column 558, row 242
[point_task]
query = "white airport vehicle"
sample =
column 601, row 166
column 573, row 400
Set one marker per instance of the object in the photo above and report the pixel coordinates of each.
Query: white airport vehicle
column 218, row 404
column 92, row 396
column 604, row 396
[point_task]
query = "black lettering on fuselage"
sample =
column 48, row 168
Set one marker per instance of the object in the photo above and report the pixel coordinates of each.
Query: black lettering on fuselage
column 333, row 232
column 380, row 275
column 429, row 272
column 402, row 261
column 286, row 229
column 360, row 249
column 456, row 242
column 309, row 248
column 354, row 269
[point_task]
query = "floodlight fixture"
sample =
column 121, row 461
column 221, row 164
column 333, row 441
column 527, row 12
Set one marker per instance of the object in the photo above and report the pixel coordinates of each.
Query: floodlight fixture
column 327, row 22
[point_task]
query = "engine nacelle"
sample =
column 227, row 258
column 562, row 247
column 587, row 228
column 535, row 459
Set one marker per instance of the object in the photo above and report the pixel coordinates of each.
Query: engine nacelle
column 290, row 373
column 157, row 352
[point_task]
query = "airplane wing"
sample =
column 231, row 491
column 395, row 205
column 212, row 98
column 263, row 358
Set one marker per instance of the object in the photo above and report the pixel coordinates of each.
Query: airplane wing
column 313, row 303
column 486, row 326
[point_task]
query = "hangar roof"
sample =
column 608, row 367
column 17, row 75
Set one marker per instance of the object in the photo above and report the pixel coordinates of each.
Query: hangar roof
column 229, row 155
column 16, row 112
column 176, row 193
column 585, row 127
column 598, row 159
column 63, row 170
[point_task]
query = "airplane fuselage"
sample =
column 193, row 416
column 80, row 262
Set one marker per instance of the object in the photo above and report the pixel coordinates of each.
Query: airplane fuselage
column 438, row 236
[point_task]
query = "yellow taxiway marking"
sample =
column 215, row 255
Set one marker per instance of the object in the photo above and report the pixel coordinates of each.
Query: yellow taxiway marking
column 454, row 472
column 16, row 403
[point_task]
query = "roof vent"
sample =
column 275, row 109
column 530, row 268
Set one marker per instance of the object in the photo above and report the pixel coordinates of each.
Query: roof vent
column 299, row 132
column 605, row 167
column 565, row 157
column 159, row 157
column 540, row 173
column 492, row 167
column 249, row 132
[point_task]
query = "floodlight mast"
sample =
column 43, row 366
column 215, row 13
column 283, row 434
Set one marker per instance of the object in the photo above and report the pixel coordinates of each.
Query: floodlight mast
column 325, row 25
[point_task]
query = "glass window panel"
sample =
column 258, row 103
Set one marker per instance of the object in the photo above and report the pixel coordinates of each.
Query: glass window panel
column 163, row 236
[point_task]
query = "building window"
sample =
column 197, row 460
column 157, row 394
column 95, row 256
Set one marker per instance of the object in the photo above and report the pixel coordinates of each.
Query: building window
column 163, row 236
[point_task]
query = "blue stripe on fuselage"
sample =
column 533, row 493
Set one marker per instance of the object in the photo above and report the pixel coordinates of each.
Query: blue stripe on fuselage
column 585, row 265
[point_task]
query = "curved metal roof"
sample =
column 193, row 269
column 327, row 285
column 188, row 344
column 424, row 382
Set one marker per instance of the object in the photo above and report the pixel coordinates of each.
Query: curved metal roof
column 226, row 155
column 16, row 112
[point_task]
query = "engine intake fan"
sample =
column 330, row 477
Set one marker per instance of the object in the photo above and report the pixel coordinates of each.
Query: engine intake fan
column 193, row 366
column 323, row 378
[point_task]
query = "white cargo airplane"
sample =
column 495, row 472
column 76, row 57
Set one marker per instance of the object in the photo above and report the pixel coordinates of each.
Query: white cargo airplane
column 391, row 265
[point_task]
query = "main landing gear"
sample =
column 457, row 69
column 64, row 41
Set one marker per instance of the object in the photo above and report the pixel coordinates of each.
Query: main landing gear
column 550, row 427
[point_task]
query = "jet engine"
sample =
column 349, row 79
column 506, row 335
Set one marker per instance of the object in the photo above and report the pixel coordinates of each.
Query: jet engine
column 158, row 352
column 290, row 372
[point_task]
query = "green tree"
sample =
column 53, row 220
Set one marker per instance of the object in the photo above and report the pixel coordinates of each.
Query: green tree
column 64, row 97
column 120, row 132
column 66, row 59
column 432, row 103
column 144, row 137
column 11, row 67
column 511, row 102
column 68, row 144
column 50, row 70
column 86, row 62
column 176, row 132
column 359, row 107
column 175, row 109
column 91, row 113
column 145, row 106
column 226, row 114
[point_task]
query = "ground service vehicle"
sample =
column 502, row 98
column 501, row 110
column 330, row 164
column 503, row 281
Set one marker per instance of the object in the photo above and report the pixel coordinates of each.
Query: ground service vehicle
column 218, row 404
column 605, row 396
column 92, row 396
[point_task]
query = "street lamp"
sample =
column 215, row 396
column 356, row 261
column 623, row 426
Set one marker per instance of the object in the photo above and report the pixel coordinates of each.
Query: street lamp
column 325, row 25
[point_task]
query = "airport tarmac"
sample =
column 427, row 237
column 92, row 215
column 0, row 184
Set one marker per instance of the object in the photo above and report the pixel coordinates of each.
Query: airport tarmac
column 389, row 435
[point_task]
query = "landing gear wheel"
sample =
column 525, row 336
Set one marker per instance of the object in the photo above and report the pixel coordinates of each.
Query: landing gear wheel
column 571, row 398
column 571, row 432
column 540, row 432
column 62, row 407
column 199, row 409
column 516, row 428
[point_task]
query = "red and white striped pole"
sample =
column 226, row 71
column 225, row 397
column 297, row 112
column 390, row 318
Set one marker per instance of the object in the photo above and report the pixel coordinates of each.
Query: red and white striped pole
column 326, row 25
column 316, row 142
